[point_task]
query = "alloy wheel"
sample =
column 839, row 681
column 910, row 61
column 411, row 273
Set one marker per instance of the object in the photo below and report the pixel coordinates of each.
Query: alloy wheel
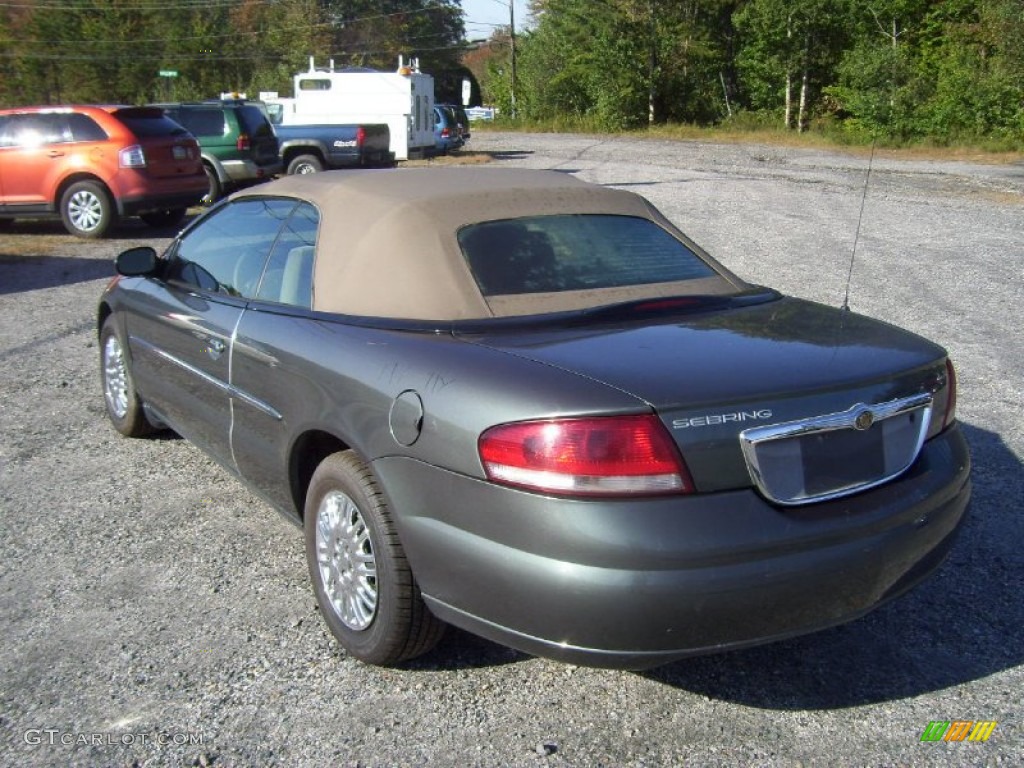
column 348, row 569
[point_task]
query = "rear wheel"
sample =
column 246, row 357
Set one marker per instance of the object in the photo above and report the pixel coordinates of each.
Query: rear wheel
column 305, row 164
column 123, row 406
column 87, row 210
column 165, row 218
column 361, row 578
column 216, row 190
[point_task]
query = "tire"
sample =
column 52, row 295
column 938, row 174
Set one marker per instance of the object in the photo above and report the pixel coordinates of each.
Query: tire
column 362, row 581
column 165, row 218
column 302, row 164
column 124, row 408
column 87, row 210
column 216, row 191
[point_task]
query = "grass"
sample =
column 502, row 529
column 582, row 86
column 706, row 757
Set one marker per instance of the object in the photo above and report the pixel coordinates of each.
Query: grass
column 985, row 151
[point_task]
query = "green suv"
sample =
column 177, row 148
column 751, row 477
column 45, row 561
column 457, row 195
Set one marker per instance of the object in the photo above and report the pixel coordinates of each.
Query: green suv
column 237, row 141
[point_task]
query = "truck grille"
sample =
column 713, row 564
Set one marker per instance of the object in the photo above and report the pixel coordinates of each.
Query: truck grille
column 825, row 457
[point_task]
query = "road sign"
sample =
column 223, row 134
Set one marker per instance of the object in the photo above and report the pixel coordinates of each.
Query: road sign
column 168, row 73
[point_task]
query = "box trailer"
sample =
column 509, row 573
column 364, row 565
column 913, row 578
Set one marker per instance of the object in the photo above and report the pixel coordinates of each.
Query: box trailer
column 403, row 99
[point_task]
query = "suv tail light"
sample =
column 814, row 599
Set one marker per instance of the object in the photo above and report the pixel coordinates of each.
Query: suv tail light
column 600, row 456
column 360, row 136
column 244, row 143
column 132, row 157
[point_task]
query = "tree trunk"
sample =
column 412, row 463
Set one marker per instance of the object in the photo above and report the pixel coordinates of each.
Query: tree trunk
column 789, row 101
column 801, row 121
column 789, row 76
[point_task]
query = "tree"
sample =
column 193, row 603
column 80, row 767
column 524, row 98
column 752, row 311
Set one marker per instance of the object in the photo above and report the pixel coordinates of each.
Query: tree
column 788, row 54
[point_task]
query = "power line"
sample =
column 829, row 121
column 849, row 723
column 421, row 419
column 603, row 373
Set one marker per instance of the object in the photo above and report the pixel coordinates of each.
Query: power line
column 198, row 5
column 235, row 34
column 256, row 56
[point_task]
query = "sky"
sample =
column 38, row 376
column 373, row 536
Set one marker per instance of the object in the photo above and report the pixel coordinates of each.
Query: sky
column 483, row 15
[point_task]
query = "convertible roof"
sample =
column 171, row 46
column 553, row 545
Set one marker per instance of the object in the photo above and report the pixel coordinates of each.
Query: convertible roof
column 388, row 246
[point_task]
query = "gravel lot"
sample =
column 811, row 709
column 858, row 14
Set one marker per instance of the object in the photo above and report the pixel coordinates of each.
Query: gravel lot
column 155, row 613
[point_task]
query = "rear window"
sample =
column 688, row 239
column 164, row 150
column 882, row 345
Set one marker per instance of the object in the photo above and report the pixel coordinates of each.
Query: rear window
column 202, row 121
column 547, row 254
column 147, row 123
column 254, row 122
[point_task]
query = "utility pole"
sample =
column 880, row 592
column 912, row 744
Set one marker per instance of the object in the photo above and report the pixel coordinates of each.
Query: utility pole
column 512, row 34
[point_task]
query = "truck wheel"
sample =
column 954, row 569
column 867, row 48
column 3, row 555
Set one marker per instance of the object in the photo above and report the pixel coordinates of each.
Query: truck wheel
column 305, row 164
column 87, row 209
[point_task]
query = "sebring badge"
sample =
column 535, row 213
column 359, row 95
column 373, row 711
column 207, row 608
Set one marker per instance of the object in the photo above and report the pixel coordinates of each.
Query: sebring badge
column 715, row 419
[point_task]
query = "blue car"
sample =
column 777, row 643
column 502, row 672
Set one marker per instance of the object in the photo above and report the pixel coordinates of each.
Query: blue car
column 447, row 131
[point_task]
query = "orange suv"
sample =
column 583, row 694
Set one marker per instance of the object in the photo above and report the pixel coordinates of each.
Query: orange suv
column 93, row 165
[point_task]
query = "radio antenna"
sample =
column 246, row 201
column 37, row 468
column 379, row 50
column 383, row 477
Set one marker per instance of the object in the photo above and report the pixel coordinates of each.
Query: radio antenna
column 860, row 219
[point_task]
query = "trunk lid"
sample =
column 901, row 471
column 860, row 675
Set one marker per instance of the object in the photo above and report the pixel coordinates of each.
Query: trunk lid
column 711, row 375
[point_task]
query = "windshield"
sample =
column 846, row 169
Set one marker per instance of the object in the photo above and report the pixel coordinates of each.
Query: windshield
column 547, row 254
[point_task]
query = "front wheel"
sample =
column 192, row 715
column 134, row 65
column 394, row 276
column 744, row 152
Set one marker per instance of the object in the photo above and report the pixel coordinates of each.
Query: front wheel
column 303, row 164
column 123, row 406
column 87, row 210
column 361, row 578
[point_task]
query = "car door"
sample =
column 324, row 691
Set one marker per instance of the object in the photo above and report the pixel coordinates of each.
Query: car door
column 275, row 343
column 182, row 327
column 35, row 146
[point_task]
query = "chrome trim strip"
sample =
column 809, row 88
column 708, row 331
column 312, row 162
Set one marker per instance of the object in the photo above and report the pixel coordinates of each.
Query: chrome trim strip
column 852, row 418
column 255, row 402
column 228, row 389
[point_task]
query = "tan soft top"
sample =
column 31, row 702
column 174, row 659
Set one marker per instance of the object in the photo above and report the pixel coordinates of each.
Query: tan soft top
column 388, row 243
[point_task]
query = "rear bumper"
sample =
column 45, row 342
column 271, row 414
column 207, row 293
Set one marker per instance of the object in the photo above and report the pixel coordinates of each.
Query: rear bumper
column 243, row 172
column 138, row 193
column 133, row 207
column 635, row 584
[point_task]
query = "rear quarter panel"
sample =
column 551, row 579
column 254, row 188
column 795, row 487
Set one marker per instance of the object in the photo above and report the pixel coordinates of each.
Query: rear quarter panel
column 323, row 375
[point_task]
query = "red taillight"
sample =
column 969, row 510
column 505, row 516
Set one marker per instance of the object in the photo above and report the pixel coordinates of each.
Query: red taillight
column 445, row 133
column 244, row 143
column 360, row 136
column 602, row 456
column 950, row 413
column 131, row 157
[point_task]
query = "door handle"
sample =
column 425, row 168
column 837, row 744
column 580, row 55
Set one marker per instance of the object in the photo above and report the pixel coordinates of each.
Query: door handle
column 55, row 153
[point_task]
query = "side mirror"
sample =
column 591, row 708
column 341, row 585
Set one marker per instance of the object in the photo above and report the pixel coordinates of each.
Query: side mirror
column 136, row 262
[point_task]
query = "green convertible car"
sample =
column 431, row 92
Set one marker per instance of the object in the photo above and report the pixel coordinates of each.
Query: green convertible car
column 531, row 407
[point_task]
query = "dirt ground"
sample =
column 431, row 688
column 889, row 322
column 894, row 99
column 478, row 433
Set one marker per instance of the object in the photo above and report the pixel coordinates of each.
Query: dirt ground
column 156, row 613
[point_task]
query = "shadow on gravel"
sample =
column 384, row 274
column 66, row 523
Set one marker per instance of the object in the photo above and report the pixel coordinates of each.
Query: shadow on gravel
column 961, row 625
column 30, row 265
column 510, row 154
column 127, row 229
column 30, row 273
column 461, row 650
